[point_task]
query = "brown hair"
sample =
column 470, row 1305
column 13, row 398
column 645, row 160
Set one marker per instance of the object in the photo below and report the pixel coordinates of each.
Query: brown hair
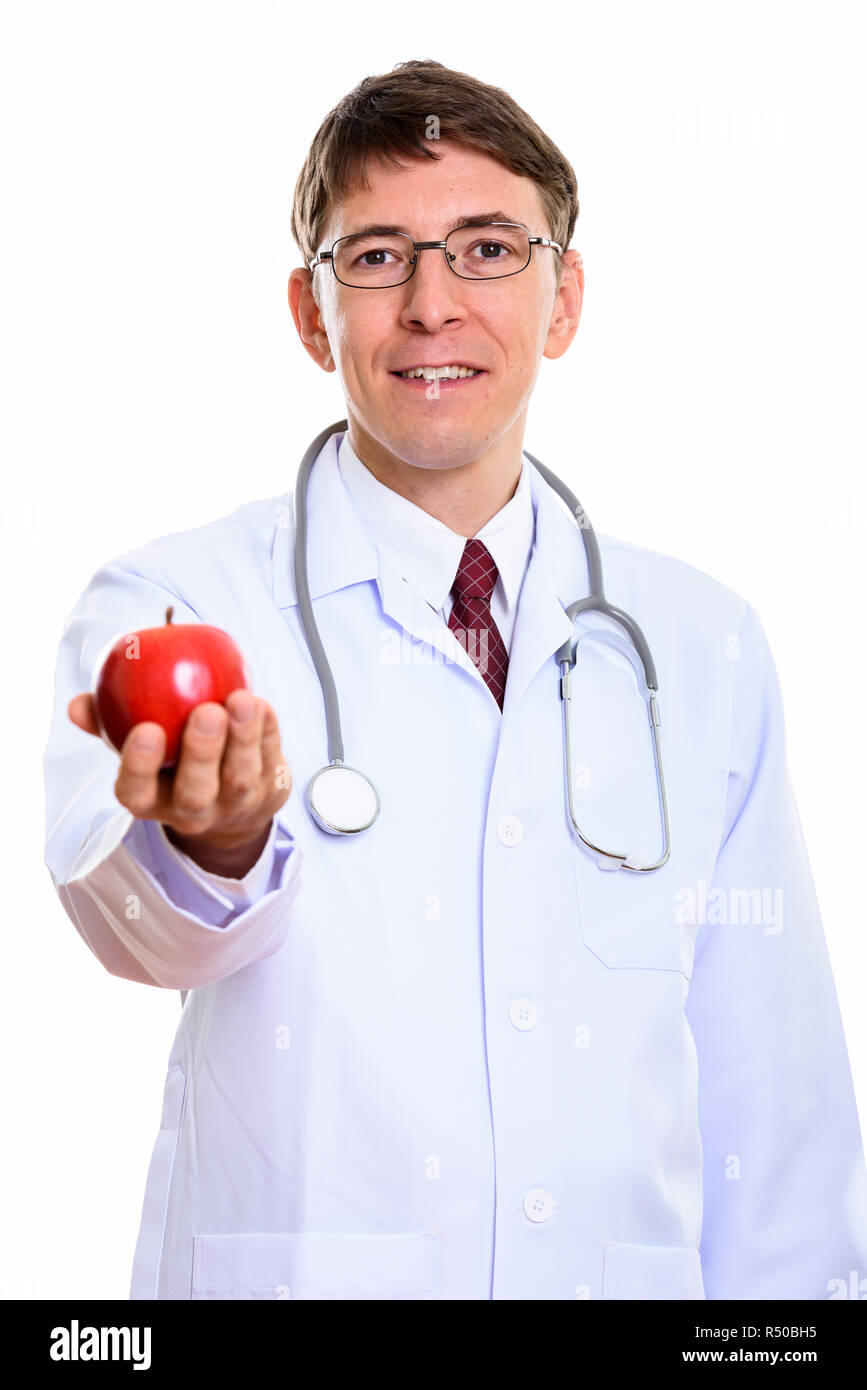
column 387, row 116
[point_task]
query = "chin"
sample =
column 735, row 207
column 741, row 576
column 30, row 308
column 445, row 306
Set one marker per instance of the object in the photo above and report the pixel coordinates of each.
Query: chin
column 423, row 449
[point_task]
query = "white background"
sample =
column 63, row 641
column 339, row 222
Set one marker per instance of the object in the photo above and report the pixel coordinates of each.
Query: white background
column 711, row 407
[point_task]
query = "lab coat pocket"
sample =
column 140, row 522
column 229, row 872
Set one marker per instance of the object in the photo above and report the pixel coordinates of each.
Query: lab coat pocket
column 313, row 1265
column 652, row 1271
column 149, row 1247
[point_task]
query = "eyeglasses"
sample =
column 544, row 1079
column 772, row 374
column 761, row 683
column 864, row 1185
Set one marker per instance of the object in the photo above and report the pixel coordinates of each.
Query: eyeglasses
column 368, row 261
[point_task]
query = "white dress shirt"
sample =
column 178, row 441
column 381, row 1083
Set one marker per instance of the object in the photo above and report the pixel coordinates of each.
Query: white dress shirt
column 427, row 553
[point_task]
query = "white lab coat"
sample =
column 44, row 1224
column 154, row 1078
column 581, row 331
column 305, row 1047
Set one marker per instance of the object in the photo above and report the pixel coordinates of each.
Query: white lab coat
column 451, row 1057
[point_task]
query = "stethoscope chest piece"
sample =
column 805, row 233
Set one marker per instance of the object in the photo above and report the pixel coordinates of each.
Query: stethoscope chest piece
column 342, row 800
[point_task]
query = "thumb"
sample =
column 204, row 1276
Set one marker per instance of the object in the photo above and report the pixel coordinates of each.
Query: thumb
column 82, row 711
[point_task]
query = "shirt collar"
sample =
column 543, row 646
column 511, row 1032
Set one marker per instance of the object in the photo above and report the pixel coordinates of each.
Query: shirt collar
column 427, row 551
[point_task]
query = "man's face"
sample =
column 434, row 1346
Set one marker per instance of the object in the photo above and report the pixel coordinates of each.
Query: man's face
column 501, row 327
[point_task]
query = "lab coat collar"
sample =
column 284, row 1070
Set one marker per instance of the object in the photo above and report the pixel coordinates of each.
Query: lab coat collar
column 342, row 551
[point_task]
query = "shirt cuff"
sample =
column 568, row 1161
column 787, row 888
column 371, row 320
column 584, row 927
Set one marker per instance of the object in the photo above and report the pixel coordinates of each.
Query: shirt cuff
column 239, row 890
column 208, row 895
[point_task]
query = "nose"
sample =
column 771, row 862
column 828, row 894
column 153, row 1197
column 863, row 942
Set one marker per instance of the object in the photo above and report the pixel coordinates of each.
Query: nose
column 433, row 295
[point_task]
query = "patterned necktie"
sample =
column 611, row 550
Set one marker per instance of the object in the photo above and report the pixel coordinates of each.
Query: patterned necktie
column 470, row 618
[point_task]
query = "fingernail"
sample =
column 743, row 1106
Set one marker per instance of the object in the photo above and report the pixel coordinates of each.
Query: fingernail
column 207, row 721
column 146, row 742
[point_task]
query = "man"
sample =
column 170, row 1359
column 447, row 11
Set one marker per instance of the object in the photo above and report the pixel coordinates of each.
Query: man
column 452, row 1056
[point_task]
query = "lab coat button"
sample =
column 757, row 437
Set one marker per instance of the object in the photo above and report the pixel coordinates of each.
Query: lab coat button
column 524, row 1014
column 509, row 830
column 538, row 1204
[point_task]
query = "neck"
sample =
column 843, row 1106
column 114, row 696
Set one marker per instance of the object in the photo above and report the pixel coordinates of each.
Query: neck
column 463, row 497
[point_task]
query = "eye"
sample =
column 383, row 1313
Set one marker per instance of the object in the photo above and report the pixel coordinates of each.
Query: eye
column 490, row 249
column 373, row 257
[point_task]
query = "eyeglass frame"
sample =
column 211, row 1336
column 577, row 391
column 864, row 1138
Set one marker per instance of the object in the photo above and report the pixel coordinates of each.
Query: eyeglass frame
column 322, row 256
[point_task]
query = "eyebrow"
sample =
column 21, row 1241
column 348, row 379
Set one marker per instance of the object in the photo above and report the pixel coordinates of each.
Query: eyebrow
column 476, row 219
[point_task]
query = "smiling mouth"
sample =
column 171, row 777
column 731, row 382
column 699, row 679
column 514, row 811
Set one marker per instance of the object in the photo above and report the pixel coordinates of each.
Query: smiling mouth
column 438, row 373
column 449, row 378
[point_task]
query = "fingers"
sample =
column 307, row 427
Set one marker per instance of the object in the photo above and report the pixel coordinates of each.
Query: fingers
column 274, row 767
column 196, row 784
column 82, row 711
column 138, row 786
column 230, row 779
column 241, row 772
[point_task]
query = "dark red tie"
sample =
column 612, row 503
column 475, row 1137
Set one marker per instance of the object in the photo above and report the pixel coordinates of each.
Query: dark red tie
column 470, row 619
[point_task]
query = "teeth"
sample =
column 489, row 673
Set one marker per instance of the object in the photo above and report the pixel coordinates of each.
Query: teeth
column 438, row 373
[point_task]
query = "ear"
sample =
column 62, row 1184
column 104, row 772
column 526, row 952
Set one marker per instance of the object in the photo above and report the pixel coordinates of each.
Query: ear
column 308, row 318
column 566, row 311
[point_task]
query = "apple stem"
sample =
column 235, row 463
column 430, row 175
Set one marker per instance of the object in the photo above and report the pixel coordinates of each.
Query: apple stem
column 169, row 612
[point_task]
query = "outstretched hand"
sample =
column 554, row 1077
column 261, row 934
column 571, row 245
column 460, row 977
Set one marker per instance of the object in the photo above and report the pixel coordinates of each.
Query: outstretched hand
column 231, row 778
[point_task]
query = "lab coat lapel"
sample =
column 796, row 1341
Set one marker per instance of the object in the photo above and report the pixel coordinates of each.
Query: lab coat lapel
column 556, row 575
column 402, row 602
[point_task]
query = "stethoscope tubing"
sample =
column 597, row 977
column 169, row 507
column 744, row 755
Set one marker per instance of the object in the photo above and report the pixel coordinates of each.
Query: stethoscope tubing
column 566, row 657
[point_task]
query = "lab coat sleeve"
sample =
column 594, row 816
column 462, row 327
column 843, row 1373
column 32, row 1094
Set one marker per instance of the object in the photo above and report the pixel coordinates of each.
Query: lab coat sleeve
column 784, row 1175
column 145, row 915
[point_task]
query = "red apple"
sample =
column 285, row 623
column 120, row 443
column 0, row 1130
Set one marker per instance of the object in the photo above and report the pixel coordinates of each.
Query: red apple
column 160, row 674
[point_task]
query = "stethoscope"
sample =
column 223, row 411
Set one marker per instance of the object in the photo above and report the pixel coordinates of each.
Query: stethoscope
column 343, row 801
